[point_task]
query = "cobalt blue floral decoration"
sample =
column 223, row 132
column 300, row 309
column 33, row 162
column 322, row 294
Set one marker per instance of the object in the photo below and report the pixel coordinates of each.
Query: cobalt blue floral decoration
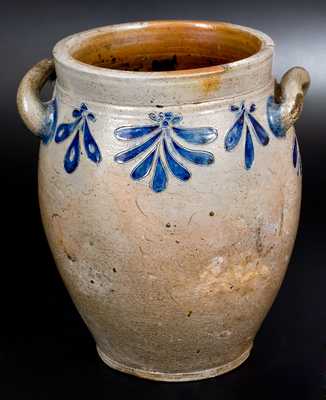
column 274, row 117
column 160, row 151
column 81, row 128
column 296, row 157
column 245, row 121
column 50, row 123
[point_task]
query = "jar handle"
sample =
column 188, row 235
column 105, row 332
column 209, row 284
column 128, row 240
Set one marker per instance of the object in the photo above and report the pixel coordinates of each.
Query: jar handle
column 30, row 107
column 285, row 107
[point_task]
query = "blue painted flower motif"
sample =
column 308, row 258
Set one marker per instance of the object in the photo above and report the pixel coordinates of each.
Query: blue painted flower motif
column 80, row 127
column 277, row 127
column 50, row 124
column 245, row 121
column 274, row 117
column 161, row 150
column 296, row 157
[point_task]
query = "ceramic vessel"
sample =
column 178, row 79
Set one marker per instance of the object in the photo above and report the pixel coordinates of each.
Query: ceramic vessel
column 169, row 185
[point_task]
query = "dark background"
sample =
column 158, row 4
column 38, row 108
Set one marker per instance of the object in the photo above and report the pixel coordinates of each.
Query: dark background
column 46, row 352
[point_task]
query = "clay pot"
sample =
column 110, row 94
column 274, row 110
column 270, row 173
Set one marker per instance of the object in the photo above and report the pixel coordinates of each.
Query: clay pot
column 169, row 185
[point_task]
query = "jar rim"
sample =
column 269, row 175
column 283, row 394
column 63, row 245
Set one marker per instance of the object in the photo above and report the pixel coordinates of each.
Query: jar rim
column 64, row 50
column 193, row 85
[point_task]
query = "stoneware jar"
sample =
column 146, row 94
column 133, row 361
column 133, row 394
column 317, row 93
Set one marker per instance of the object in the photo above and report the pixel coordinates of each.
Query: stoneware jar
column 169, row 186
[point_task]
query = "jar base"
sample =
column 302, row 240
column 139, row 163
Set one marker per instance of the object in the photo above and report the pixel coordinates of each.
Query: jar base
column 176, row 377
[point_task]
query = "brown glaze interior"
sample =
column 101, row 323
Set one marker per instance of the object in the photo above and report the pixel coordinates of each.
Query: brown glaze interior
column 167, row 46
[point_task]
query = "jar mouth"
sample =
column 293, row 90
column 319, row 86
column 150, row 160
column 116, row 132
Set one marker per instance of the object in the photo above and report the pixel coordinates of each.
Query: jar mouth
column 163, row 48
column 163, row 63
column 167, row 46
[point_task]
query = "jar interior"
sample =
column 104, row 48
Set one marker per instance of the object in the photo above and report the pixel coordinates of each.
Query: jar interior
column 167, row 46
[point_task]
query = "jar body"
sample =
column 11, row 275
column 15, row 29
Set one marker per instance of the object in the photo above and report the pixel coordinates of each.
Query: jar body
column 174, row 279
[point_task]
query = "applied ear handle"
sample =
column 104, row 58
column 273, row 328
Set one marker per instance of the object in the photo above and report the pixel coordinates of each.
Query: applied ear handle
column 285, row 107
column 30, row 107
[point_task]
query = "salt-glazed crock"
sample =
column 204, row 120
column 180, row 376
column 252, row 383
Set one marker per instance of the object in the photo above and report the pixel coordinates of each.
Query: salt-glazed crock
column 170, row 186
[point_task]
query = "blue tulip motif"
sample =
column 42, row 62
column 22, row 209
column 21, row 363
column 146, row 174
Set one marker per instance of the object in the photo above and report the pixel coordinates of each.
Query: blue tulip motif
column 274, row 118
column 79, row 127
column 161, row 152
column 50, row 123
column 276, row 125
column 245, row 122
column 296, row 157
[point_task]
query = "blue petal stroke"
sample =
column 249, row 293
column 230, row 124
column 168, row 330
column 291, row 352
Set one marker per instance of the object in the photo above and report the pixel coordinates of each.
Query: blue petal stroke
column 91, row 147
column 196, row 135
column 260, row 132
column 133, row 132
column 51, row 123
column 160, row 179
column 234, row 108
column 76, row 113
column 234, row 134
column 176, row 119
column 196, row 157
column 65, row 130
column 252, row 107
column 91, row 117
column 295, row 153
column 177, row 169
column 144, row 167
column 72, row 156
column 274, row 117
column 128, row 155
column 249, row 150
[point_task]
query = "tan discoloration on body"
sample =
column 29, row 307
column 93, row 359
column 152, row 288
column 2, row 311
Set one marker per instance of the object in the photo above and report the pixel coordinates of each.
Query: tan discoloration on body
column 63, row 242
column 210, row 84
column 234, row 274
